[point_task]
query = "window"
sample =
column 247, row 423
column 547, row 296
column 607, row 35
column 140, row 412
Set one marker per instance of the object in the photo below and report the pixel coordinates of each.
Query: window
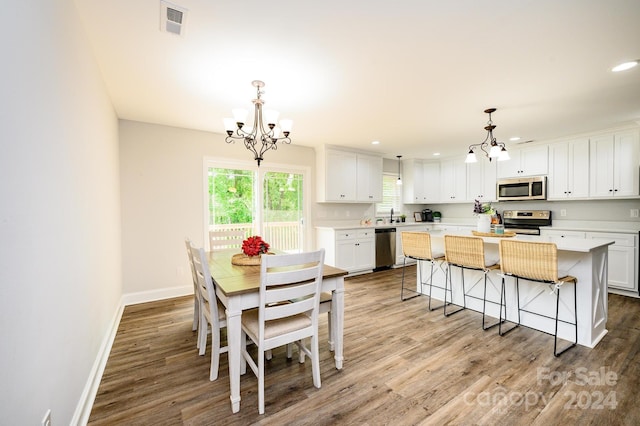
column 391, row 195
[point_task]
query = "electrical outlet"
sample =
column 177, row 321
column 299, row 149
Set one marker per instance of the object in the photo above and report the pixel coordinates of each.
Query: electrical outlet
column 46, row 420
column 563, row 212
column 633, row 213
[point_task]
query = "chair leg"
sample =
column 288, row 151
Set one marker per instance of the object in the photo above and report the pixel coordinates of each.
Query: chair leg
column 260, row 381
column 484, row 306
column 404, row 266
column 315, row 360
column 243, row 360
column 215, row 354
column 301, row 353
column 503, row 298
column 555, row 337
column 431, row 286
column 202, row 332
column 330, row 322
column 446, row 314
column 196, row 314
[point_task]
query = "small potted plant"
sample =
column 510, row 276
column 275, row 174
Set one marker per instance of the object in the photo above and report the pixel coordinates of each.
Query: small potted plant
column 403, row 217
column 484, row 211
column 437, row 216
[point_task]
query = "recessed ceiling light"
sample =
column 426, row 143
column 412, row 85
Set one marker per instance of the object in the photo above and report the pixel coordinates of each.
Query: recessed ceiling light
column 624, row 66
column 515, row 138
column 436, row 154
column 375, row 143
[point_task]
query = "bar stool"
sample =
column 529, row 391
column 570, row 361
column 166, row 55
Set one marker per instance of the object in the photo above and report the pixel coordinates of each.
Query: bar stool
column 417, row 246
column 467, row 253
column 537, row 262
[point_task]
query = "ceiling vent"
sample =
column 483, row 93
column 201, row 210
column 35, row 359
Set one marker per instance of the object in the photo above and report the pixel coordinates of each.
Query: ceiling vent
column 173, row 18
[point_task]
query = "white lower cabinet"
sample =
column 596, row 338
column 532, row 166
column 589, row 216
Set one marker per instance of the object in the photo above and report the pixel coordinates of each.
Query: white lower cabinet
column 623, row 261
column 350, row 249
column 623, row 257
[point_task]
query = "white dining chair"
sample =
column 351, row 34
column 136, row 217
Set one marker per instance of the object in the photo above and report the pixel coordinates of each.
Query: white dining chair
column 196, row 292
column 219, row 240
column 287, row 312
column 212, row 312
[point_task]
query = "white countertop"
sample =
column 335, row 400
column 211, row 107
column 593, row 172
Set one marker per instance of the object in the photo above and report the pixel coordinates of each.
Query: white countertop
column 559, row 225
column 567, row 244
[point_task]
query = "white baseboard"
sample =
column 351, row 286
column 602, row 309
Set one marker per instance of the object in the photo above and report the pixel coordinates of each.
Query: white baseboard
column 83, row 409
column 153, row 295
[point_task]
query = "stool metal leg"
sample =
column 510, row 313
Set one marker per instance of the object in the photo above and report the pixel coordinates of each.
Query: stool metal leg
column 431, row 287
column 503, row 297
column 446, row 314
column 555, row 337
column 404, row 266
column 484, row 305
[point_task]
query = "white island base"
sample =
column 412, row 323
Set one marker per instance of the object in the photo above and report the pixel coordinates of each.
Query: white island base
column 584, row 259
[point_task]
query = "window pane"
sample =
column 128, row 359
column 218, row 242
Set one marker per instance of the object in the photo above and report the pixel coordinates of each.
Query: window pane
column 282, row 210
column 230, row 198
column 391, row 195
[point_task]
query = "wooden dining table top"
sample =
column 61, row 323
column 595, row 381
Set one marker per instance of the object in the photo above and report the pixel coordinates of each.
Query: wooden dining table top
column 237, row 279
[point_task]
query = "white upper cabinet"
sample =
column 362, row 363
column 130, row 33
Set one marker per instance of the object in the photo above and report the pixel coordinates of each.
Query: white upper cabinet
column 453, row 181
column 420, row 181
column 337, row 176
column 614, row 165
column 369, row 178
column 481, row 180
column 530, row 161
column 345, row 176
column 568, row 170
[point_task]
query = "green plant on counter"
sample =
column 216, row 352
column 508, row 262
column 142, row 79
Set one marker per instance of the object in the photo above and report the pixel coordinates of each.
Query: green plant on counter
column 482, row 208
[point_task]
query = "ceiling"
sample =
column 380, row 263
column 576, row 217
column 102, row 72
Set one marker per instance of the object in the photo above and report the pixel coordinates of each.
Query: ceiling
column 415, row 75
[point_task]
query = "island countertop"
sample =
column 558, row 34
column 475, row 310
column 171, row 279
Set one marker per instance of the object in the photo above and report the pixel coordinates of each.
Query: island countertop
column 566, row 244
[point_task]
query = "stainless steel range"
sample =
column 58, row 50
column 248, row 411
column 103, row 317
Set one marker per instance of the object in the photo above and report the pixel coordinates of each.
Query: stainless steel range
column 526, row 221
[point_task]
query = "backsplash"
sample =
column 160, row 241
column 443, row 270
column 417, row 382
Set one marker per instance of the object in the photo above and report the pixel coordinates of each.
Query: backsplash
column 574, row 211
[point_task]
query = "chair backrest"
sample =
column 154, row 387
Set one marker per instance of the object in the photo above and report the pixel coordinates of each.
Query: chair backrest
column 219, row 240
column 289, row 285
column 464, row 251
column 205, row 282
column 528, row 259
column 416, row 245
column 187, row 242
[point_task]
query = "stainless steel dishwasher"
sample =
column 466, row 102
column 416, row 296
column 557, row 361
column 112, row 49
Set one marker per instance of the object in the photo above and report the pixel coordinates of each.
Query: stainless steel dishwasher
column 385, row 247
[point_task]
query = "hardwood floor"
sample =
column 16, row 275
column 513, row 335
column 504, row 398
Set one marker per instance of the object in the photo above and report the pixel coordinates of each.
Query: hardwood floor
column 403, row 365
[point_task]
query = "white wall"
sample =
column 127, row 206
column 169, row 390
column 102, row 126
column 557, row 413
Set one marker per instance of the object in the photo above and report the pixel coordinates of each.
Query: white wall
column 60, row 270
column 163, row 200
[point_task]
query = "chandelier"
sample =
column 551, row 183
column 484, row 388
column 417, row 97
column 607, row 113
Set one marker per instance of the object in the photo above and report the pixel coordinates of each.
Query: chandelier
column 257, row 138
column 495, row 149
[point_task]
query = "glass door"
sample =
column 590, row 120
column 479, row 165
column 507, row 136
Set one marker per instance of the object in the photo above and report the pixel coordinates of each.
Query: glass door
column 282, row 210
column 264, row 202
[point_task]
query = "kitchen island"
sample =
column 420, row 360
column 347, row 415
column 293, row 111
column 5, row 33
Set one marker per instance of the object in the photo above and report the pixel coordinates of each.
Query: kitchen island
column 584, row 259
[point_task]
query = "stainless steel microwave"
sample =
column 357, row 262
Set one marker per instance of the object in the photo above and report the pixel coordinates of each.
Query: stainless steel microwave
column 524, row 188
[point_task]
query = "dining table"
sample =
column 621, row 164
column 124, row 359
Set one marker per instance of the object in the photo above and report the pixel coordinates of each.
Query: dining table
column 238, row 288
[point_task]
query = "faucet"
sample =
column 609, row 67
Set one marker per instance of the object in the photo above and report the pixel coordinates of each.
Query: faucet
column 391, row 215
